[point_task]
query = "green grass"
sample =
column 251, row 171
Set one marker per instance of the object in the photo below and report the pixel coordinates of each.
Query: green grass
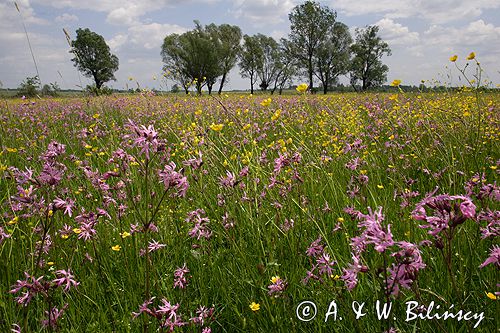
column 426, row 138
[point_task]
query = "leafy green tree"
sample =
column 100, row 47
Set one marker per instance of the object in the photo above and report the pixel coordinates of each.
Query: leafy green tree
column 29, row 87
column 195, row 57
column 287, row 66
column 268, row 66
column 251, row 58
column 227, row 38
column 93, row 57
column 310, row 24
column 51, row 89
column 176, row 60
column 333, row 55
column 366, row 65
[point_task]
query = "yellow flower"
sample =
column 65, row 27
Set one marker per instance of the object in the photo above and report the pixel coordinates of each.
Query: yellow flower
column 116, row 248
column 77, row 231
column 302, row 88
column 396, row 83
column 12, row 150
column 125, row 234
column 13, row 221
column 266, row 102
column 255, row 306
column 466, row 114
column 276, row 115
column 340, row 219
column 493, row 167
column 50, row 263
column 491, row 296
column 380, row 186
column 217, row 127
column 454, row 58
column 275, row 279
column 471, row 56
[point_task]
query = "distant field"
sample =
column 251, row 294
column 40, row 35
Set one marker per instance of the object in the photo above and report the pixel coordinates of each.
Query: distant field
column 133, row 213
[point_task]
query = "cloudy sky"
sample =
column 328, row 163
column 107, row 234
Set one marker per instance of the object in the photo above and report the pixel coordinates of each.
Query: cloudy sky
column 422, row 34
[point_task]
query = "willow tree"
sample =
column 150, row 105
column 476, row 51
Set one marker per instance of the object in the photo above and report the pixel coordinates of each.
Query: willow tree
column 93, row 57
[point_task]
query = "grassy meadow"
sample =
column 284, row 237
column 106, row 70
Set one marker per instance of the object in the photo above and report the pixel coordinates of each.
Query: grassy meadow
column 234, row 213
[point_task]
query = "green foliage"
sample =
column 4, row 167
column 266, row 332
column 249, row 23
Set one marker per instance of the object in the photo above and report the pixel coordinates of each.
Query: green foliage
column 93, row 57
column 51, row 89
column 269, row 65
column 94, row 91
column 366, row 65
column 310, row 23
column 228, row 39
column 201, row 55
column 29, row 87
column 175, row 88
column 251, row 58
column 332, row 56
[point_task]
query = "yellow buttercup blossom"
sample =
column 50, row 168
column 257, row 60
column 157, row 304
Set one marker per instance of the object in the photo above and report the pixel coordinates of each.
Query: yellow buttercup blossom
column 255, row 306
column 275, row 279
column 396, row 83
column 491, row 296
column 453, row 58
column 276, row 115
column 380, row 186
column 266, row 102
column 116, row 248
column 471, row 56
column 302, row 88
column 216, row 127
column 125, row 234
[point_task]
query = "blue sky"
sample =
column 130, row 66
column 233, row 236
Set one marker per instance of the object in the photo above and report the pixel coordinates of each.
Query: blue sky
column 422, row 34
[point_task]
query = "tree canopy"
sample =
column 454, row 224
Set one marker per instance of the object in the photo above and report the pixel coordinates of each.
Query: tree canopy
column 366, row 65
column 93, row 57
column 310, row 22
column 202, row 55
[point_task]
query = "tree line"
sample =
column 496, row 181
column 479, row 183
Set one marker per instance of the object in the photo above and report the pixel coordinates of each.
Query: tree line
column 318, row 48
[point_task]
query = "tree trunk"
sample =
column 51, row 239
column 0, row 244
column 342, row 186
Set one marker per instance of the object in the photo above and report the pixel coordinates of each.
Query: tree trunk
column 222, row 80
column 311, row 88
column 209, row 86
column 251, row 85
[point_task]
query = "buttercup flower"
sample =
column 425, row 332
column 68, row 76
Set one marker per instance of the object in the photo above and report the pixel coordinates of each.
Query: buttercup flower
column 254, row 306
column 302, row 88
column 395, row 83
column 471, row 56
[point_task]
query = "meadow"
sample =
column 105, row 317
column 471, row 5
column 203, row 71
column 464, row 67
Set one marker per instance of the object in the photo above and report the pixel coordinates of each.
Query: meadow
column 236, row 213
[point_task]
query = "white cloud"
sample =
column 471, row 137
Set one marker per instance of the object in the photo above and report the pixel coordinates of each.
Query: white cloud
column 150, row 36
column 441, row 11
column 117, row 41
column 125, row 15
column 66, row 18
column 396, row 34
column 263, row 12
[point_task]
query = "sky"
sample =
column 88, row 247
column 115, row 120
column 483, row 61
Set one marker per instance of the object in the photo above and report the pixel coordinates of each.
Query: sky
column 422, row 34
